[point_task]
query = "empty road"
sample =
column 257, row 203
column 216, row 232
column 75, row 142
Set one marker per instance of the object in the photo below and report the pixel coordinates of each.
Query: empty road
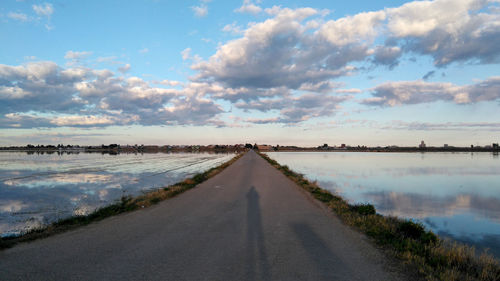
column 249, row 222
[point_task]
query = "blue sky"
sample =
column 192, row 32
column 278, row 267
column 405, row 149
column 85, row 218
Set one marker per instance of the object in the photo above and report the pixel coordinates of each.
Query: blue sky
column 276, row 72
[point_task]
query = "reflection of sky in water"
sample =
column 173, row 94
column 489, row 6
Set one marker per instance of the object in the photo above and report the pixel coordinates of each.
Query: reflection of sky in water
column 455, row 194
column 39, row 189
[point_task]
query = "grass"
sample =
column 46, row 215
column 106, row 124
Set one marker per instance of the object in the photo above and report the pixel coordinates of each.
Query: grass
column 433, row 257
column 126, row 204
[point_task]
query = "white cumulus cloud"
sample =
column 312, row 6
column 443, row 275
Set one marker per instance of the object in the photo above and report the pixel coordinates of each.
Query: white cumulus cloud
column 18, row 16
column 45, row 9
column 249, row 6
column 414, row 92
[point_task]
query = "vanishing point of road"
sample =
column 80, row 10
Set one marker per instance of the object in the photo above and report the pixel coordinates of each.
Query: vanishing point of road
column 249, row 222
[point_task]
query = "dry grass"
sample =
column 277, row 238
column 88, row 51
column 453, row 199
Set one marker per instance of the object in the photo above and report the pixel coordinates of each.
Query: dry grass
column 433, row 257
column 126, row 204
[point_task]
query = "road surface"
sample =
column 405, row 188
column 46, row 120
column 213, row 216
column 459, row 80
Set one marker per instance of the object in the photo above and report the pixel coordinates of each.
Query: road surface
column 249, row 222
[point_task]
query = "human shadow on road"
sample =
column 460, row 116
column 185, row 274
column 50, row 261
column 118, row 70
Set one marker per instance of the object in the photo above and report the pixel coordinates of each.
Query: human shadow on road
column 257, row 263
column 326, row 261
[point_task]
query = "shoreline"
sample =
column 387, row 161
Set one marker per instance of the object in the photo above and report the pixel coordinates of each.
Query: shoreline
column 118, row 152
column 382, row 150
column 121, row 151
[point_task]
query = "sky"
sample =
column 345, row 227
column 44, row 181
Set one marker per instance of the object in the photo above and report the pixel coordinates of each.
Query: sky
column 303, row 73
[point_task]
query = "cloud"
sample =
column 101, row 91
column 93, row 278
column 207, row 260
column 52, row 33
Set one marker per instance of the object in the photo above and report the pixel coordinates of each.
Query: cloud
column 75, row 55
column 15, row 120
column 348, row 91
column 219, row 91
column 232, row 28
column 414, row 92
column 449, row 31
column 387, row 55
column 107, row 59
column 37, row 85
column 186, row 55
column 43, row 94
column 294, row 47
column 446, row 126
column 76, row 58
column 183, row 108
column 26, row 120
column 429, row 75
column 143, row 51
column 359, row 28
column 124, row 68
column 168, row 83
column 321, row 87
column 269, row 56
column 18, row 16
column 202, row 9
column 293, row 110
column 78, row 120
column 249, row 7
column 45, row 9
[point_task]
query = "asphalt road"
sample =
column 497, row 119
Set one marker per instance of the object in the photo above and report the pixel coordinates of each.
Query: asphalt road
column 248, row 223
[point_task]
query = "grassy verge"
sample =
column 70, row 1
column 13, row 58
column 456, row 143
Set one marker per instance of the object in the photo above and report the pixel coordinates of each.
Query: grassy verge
column 126, row 204
column 433, row 257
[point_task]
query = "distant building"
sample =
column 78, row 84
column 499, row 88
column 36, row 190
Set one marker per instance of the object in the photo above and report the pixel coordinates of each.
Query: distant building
column 445, row 145
column 422, row 145
column 495, row 145
column 264, row 147
column 342, row 145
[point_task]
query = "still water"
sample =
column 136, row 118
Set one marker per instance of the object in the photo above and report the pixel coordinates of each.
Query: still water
column 37, row 189
column 456, row 195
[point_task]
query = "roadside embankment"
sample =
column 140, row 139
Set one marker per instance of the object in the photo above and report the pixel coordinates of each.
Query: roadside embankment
column 433, row 257
column 126, row 204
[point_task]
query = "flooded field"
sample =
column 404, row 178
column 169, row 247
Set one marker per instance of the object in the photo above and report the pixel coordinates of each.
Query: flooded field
column 456, row 195
column 37, row 189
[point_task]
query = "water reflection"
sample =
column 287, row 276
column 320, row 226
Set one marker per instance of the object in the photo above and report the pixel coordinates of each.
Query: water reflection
column 57, row 179
column 456, row 195
column 421, row 206
column 38, row 189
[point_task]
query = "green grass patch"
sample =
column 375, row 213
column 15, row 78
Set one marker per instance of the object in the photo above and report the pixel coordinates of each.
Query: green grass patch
column 433, row 257
column 364, row 209
column 126, row 204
